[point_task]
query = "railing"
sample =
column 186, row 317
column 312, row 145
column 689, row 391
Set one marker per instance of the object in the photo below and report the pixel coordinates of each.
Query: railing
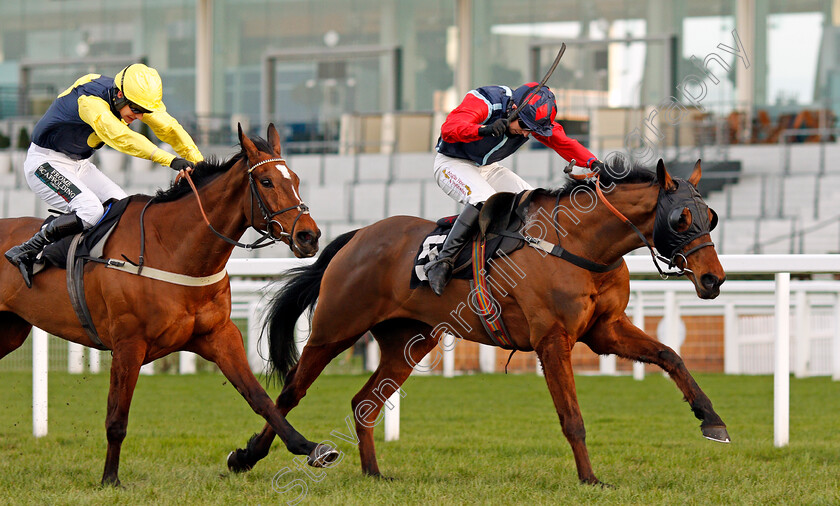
column 249, row 284
column 827, row 135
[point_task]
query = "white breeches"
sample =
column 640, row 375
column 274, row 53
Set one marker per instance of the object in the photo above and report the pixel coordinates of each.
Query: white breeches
column 468, row 183
column 69, row 185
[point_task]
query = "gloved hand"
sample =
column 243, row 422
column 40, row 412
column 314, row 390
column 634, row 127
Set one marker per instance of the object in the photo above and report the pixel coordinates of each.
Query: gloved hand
column 598, row 166
column 496, row 128
column 180, row 164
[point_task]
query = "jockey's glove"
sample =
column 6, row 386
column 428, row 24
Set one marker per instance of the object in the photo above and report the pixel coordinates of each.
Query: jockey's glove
column 598, row 166
column 179, row 164
column 496, row 128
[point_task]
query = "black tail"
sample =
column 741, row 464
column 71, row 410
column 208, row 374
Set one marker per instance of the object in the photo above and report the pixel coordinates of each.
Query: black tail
column 300, row 292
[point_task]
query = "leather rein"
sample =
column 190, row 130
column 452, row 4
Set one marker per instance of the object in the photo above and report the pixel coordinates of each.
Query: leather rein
column 671, row 262
column 267, row 238
column 268, row 216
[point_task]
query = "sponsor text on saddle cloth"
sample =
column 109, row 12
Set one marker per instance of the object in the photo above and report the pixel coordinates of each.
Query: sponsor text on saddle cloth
column 504, row 212
column 92, row 243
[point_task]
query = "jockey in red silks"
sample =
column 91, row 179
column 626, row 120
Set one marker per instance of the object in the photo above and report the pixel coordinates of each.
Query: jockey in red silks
column 475, row 137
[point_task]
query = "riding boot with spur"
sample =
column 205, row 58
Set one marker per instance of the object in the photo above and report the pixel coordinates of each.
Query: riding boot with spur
column 23, row 256
column 439, row 271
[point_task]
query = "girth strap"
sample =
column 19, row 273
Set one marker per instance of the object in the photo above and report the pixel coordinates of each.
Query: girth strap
column 560, row 252
column 76, row 290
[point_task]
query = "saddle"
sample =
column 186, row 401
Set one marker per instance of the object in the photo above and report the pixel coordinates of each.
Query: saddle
column 503, row 213
column 91, row 244
column 72, row 252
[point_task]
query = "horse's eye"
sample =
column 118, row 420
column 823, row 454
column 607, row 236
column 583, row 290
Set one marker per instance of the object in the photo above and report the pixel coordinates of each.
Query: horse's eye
column 267, row 183
column 677, row 220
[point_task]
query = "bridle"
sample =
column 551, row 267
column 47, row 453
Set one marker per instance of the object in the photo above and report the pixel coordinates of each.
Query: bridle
column 676, row 250
column 267, row 237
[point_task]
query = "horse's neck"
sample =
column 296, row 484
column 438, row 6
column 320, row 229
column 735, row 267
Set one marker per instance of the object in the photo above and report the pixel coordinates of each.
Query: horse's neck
column 184, row 237
column 595, row 232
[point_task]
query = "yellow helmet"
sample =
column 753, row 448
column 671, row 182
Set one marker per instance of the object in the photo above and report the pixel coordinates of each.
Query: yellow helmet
column 142, row 86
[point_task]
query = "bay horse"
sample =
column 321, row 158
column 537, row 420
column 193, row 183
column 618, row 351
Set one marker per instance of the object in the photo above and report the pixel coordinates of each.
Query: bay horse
column 361, row 283
column 142, row 319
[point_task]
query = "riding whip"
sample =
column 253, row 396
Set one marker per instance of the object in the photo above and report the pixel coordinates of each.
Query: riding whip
column 515, row 113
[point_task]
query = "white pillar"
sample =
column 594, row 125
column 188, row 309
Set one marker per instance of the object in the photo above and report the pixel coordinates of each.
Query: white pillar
column 40, row 366
column 75, row 358
column 392, row 417
column 802, row 341
column 540, row 371
column 781, row 372
column 731, row 360
column 486, row 358
column 424, row 367
column 607, row 365
column 372, row 358
column 463, row 67
column 670, row 325
column 94, row 360
column 148, row 369
column 302, row 330
column 835, row 359
column 745, row 77
column 257, row 348
column 186, row 362
column 639, row 321
column 447, row 342
column 203, row 66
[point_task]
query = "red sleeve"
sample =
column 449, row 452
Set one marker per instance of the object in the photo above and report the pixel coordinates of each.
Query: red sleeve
column 462, row 123
column 566, row 147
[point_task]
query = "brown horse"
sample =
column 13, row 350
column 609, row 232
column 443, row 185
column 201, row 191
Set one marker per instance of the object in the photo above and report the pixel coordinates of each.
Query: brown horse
column 142, row 319
column 363, row 282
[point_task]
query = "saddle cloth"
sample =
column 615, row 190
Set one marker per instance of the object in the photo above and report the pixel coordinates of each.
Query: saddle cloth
column 92, row 243
column 504, row 211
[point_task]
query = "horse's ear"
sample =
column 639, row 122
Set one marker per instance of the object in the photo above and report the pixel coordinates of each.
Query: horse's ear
column 695, row 176
column 249, row 147
column 274, row 140
column 663, row 177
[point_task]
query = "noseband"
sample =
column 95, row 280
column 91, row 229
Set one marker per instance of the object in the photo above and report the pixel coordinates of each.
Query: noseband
column 269, row 216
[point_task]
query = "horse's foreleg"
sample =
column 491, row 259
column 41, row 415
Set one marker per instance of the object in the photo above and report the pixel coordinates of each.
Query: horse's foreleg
column 554, row 351
column 312, row 361
column 225, row 348
column 624, row 339
column 125, row 368
column 14, row 333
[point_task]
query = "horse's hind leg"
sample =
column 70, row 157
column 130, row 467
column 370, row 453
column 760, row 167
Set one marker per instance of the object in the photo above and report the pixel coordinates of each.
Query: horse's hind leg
column 312, row 361
column 13, row 332
column 396, row 346
column 624, row 339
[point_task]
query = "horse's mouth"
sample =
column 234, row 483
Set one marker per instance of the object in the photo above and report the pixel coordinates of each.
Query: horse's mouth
column 304, row 244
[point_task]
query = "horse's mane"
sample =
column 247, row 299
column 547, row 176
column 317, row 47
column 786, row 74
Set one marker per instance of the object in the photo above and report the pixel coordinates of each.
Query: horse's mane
column 207, row 171
column 619, row 174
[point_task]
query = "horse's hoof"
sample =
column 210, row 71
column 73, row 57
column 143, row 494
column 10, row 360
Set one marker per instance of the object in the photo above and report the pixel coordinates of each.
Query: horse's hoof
column 322, row 456
column 597, row 483
column 236, row 461
column 718, row 434
column 111, row 481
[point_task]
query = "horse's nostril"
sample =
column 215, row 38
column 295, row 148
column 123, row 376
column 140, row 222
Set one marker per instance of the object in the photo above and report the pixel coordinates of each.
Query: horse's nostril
column 305, row 238
column 710, row 281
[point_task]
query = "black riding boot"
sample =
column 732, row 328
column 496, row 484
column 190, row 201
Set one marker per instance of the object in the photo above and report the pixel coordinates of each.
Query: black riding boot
column 24, row 255
column 440, row 270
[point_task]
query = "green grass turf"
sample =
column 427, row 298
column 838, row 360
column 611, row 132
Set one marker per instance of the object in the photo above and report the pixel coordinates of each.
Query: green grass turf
column 482, row 439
